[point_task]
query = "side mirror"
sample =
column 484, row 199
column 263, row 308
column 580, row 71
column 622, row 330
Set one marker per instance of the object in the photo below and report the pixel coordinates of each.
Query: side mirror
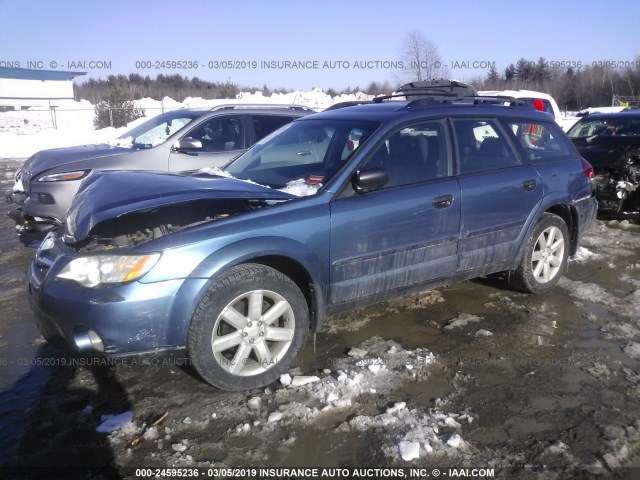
column 188, row 143
column 367, row 180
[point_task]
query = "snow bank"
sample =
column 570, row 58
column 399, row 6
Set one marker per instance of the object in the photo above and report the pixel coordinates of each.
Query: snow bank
column 25, row 132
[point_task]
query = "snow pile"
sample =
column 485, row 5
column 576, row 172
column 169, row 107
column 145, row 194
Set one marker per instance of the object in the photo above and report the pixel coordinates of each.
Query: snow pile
column 215, row 172
column 589, row 292
column 111, row 423
column 484, row 333
column 300, row 188
column 316, row 98
column 504, row 301
column 462, row 320
column 332, row 396
column 590, row 110
column 582, row 255
column 416, row 433
column 424, row 299
column 612, row 239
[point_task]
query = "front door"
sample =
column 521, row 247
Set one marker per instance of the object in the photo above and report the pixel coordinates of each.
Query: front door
column 404, row 233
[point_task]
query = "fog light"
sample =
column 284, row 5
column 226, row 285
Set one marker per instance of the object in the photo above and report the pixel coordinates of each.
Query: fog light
column 45, row 198
column 88, row 340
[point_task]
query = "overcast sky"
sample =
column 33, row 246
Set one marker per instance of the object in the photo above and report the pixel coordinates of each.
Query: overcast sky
column 359, row 41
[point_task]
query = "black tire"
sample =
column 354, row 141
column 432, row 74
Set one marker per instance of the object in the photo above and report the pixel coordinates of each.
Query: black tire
column 543, row 265
column 266, row 339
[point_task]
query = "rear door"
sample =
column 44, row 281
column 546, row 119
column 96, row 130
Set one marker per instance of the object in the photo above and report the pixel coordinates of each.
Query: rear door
column 498, row 192
column 404, row 233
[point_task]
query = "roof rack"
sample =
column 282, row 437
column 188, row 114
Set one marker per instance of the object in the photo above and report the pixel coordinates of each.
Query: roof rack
column 444, row 87
column 351, row 103
column 431, row 100
column 240, row 106
column 437, row 89
column 439, row 92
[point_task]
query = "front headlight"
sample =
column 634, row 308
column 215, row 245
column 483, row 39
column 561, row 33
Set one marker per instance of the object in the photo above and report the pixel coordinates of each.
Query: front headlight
column 64, row 177
column 101, row 269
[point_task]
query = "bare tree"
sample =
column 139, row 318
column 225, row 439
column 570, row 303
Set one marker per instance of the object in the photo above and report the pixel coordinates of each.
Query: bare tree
column 421, row 58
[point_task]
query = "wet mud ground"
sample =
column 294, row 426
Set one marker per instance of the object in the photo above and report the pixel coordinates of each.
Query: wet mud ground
column 480, row 375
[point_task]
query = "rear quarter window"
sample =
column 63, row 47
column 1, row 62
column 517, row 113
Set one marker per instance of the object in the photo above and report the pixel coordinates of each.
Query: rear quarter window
column 540, row 141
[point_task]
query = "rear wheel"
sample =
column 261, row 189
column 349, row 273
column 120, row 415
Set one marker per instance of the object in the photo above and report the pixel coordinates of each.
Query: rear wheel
column 248, row 329
column 545, row 257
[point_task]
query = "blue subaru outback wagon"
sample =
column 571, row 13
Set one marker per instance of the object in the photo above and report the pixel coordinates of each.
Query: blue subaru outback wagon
column 336, row 210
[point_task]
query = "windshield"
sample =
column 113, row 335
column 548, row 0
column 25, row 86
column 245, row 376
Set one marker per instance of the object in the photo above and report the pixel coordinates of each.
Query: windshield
column 606, row 126
column 309, row 152
column 156, row 130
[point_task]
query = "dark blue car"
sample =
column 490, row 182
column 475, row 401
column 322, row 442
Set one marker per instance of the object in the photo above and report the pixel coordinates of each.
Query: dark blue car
column 336, row 210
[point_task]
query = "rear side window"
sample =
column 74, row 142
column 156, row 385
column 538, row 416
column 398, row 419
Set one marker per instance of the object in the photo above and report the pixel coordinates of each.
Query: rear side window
column 540, row 141
column 263, row 125
column 482, row 146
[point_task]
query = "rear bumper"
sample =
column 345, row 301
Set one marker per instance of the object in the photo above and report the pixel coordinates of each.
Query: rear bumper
column 586, row 209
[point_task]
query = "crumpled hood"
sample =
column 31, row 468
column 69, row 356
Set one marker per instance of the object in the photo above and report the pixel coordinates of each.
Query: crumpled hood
column 47, row 159
column 106, row 195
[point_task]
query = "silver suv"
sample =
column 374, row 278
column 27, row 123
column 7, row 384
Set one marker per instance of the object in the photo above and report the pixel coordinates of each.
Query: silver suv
column 177, row 141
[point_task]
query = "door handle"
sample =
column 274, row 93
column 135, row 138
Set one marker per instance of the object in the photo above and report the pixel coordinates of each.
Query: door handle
column 304, row 153
column 529, row 185
column 442, row 201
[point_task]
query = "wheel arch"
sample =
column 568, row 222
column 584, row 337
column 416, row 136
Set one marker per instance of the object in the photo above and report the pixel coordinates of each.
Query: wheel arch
column 291, row 258
column 300, row 276
column 570, row 217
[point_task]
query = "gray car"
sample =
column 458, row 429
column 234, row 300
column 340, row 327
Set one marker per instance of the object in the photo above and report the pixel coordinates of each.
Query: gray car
column 177, row 141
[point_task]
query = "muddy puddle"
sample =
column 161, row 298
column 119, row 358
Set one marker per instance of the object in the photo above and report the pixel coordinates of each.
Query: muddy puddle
column 479, row 375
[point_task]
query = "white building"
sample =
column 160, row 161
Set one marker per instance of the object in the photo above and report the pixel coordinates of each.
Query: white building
column 23, row 88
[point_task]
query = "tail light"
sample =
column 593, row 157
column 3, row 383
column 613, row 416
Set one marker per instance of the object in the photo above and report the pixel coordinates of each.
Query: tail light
column 538, row 104
column 587, row 169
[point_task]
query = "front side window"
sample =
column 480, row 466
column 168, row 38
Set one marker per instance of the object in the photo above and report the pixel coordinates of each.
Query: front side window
column 413, row 154
column 538, row 140
column 482, row 146
column 220, row 134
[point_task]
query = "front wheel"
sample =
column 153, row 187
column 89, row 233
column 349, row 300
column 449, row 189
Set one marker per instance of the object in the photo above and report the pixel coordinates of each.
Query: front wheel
column 248, row 329
column 545, row 257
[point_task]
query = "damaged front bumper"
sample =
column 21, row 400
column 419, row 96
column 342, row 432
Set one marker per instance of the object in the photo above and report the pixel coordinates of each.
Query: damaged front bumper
column 24, row 222
column 116, row 320
column 12, row 196
column 616, row 195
